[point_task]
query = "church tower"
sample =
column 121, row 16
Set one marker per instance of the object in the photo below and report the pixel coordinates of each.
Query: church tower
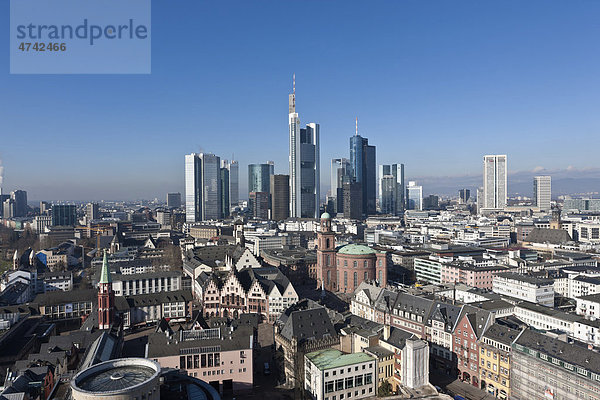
column 326, row 269
column 106, row 297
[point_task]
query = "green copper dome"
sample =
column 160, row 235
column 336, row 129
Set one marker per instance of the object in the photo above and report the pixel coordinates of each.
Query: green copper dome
column 356, row 250
column 325, row 215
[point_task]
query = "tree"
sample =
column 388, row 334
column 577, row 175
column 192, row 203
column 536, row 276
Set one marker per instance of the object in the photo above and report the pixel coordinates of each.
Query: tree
column 385, row 389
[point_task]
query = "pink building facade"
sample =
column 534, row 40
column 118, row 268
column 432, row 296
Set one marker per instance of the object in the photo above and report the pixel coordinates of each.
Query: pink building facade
column 479, row 277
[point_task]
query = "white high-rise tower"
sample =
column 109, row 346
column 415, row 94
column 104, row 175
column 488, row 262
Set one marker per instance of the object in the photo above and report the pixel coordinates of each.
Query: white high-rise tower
column 494, row 181
column 542, row 192
column 304, row 164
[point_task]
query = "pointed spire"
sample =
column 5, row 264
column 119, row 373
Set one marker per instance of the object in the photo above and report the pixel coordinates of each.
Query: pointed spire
column 294, row 83
column 105, row 274
column 356, row 129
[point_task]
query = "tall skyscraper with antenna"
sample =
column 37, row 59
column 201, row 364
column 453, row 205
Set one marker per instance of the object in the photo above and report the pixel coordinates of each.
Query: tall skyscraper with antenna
column 304, row 164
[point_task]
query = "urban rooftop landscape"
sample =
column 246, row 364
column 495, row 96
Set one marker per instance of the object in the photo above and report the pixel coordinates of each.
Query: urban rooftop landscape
column 428, row 227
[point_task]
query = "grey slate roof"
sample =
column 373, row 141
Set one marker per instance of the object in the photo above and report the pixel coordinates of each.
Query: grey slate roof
column 159, row 345
column 398, row 337
column 570, row 353
column 525, row 278
column 502, row 334
column 311, row 324
column 446, row 313
column 545, row 235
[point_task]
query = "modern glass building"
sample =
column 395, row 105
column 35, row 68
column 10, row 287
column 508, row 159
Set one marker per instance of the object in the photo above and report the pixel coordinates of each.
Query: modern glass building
column 280, row 197
column 304, row 165
column 234, row 182
column 388, row 199
column 340, row 173
column 202, row 187
column 414, row 196
column 259, row 177
column 64, row 215
column 392, row 198
column 229, row 186
column 225, row 204
column 364, row 170
column 20, row 198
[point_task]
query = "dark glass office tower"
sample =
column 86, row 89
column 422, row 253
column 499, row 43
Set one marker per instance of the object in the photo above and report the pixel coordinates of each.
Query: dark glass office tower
column 64, row 215
column 364, row 170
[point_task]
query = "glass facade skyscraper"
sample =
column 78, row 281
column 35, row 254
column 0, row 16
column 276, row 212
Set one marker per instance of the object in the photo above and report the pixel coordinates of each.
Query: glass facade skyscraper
column 392, row 197
column 414, row 196
column 259, row 177
column 364, row 170
column 229, row 187
column 202, row 187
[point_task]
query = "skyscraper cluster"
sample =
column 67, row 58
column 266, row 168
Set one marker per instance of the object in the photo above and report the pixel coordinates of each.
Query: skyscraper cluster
column 14, row 205
column 210, row 187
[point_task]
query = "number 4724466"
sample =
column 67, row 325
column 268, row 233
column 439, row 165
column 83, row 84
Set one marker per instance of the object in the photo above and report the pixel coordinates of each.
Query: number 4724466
column 40, row 46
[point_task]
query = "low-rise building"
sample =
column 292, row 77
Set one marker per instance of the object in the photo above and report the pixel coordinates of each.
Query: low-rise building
column 524, row 287
column 474, row 276
column 145, row 283
column 331, row 374
column 548, row 368
column 589, row 306
column 220, row 356
column 298, row 331
column 494, row 359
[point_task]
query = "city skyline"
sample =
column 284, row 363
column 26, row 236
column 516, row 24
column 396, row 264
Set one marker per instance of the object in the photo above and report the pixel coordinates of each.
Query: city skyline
column 439, row 91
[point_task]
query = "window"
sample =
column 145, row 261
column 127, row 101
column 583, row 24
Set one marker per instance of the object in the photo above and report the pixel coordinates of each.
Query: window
column 339, row 384
column 355, row 279
column 366, row 276
column 329, row 387
column 365, row 264
column 349, row 383
column 358, row 381
column 368, row 378
column 355, row 264
column 345, row 278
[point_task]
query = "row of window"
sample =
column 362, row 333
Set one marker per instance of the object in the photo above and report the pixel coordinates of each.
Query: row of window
column 348, row 383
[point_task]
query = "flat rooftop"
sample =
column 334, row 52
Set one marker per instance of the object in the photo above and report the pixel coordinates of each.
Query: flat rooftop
column 332, row 358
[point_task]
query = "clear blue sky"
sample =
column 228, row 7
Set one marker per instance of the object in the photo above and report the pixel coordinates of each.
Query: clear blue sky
column 435, row 85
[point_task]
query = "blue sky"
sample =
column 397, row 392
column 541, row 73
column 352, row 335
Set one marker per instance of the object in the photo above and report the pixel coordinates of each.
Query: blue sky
column 435, row 85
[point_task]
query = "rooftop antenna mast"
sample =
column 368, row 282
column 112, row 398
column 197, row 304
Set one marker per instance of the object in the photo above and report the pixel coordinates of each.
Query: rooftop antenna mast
column 356, row 129
column 294, row 84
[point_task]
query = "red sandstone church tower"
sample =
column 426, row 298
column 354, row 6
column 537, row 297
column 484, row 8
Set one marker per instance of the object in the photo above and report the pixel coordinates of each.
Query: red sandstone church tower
column 326, row 271
column 106, row 297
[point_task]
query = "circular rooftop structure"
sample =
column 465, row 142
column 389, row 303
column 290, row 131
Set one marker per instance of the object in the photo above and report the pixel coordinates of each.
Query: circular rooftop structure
column 124, row 378
column 325, row 215
column 356, row 250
